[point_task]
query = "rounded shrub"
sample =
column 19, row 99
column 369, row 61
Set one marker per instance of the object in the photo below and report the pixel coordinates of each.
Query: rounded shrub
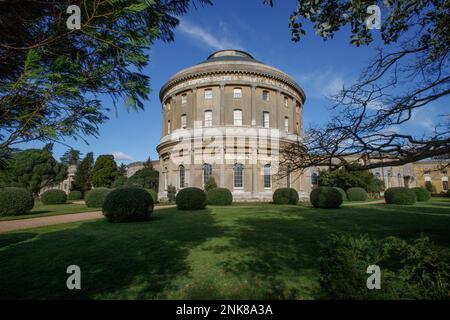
column 54, row 196
column 343, row 194
column 153, row 194
column 357, row 194
column 400, row 195
column 325, row 197
column 422, row 194
column 75, row 195
column 15, row 201
column 96, row 197
column 219, row 197
column 127, row 204
column 285, row 196
column 191, row 199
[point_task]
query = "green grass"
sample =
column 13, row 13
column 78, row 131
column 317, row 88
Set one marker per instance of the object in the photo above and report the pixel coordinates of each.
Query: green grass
column 254, row 251
column 44, row 210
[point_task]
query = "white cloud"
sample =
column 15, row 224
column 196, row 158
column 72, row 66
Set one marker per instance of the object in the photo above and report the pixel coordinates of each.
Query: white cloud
column 205, row 37
column 322, row 83
column 119, row 155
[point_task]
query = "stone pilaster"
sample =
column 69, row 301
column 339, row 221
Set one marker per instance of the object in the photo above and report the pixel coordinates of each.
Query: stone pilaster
column 253, row 105
column 222, row 105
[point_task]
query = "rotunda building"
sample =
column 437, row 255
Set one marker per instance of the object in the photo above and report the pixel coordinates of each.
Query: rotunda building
column 226, row 119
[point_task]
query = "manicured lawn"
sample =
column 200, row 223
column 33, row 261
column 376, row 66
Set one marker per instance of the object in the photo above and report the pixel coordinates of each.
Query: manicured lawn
column 42, row 210
column 245, row 251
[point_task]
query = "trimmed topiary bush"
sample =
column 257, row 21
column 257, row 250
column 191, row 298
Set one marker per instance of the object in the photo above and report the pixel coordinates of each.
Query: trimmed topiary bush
column 219, row 197
column 153, row 194
column 15, row 201
column 54, row 196
column 357, row 194
column 75, row 195
column 343, row 194
column 325, row 197
column 127, row 204
column 96, row 197
column 400, row 195
column 191, row 199
column 422, row 194
column 285, row 196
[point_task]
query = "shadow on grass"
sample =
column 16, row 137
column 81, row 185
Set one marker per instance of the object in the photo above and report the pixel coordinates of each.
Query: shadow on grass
column 7, row 239
column 127, row 260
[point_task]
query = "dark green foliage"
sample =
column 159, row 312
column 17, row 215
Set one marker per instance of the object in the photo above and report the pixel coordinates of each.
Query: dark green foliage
column 122, row 170
column 82, row 181
column 121, row 181
column 210, row 184
column 343, row 193
column 408, row 271
column 430, row 187
column 191, row 199
column 75, row 195
column 153, row 194
column 32, row 169
column 71, row 157
column 96, row 197
column 54, row 196
column 357, row 194
column 146, row 178
column 422, row 194
column 127, row 204
column 171, row 192
column 285, row 196
column 105, row 171
column 15, row 201
column 325, row 197
column 219, row 197
column 400, row 195
column 346, row 179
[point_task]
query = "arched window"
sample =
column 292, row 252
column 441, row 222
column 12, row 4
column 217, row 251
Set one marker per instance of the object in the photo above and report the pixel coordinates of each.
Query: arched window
column 314, row 179
column 267, row 176
column 207, row 172
column 181, row 175
column 237, row 117
column 399, row 179
column 288, row 177
column 238, row 175
column 208, row 118
column 237, row 93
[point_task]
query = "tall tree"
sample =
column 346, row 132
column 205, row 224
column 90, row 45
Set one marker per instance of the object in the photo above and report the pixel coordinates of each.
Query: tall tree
column 122, row 170
column 82, row 181
column 71, row 157
column 145, row 178
column 410, row 73
column 105, row 171
column 50, row 74
column 32, row 169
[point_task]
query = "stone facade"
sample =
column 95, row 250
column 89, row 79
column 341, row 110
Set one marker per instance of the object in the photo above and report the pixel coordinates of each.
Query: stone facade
column 437, row 172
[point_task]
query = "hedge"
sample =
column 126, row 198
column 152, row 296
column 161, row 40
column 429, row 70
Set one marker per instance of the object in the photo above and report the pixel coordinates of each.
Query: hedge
column 96, row 197
column 128, row 204
column 325, row 197
column 343, row 194
column 191, row 199
column 219, row 197
column 422, row 194
column 285, row 196
column 357, row 194
column 75, row 195
column 400, row 195
column 153, row 194
column 54, row 196
column 15, row 201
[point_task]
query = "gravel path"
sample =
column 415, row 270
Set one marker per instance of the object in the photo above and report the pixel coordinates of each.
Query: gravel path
column 12, row 225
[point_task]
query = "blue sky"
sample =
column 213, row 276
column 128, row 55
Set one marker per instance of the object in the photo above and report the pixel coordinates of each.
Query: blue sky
column 320, row 67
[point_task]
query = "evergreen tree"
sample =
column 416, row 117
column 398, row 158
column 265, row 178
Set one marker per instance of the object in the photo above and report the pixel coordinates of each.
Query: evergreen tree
column 122, row 170
column 83, row 175
column 210, row 184
column 71, row 157
column 147, row 178
column 105, row 171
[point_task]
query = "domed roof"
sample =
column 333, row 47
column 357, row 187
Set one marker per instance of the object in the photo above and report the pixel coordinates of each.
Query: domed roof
column 230, row 55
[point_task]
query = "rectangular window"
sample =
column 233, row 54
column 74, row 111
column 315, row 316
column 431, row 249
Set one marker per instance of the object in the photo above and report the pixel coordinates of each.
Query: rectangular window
column 445, row 185
column 266, row 120
column 265, row 95
column 208, row 118
column 286, row 124
column 285, row 101
column 208, row 94
column 237, row 93
column 267, row 178
column 183, row 121
column 183, row 99
column 237, row 117
column 168, row 126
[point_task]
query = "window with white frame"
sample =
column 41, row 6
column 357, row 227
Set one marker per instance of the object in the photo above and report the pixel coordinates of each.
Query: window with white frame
column 266, row 119
column 267, row 176
column 237, row 117
column 237, row 93
column 181, row 176
column 238, row 175
column 183, row 99
column 286, row 124
column 207, row 172
column 314, row 179
column 265, row 95
column 183, row 121
column 208, row 118
column 445, row 185
column 208, row 94
column 168, row 127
